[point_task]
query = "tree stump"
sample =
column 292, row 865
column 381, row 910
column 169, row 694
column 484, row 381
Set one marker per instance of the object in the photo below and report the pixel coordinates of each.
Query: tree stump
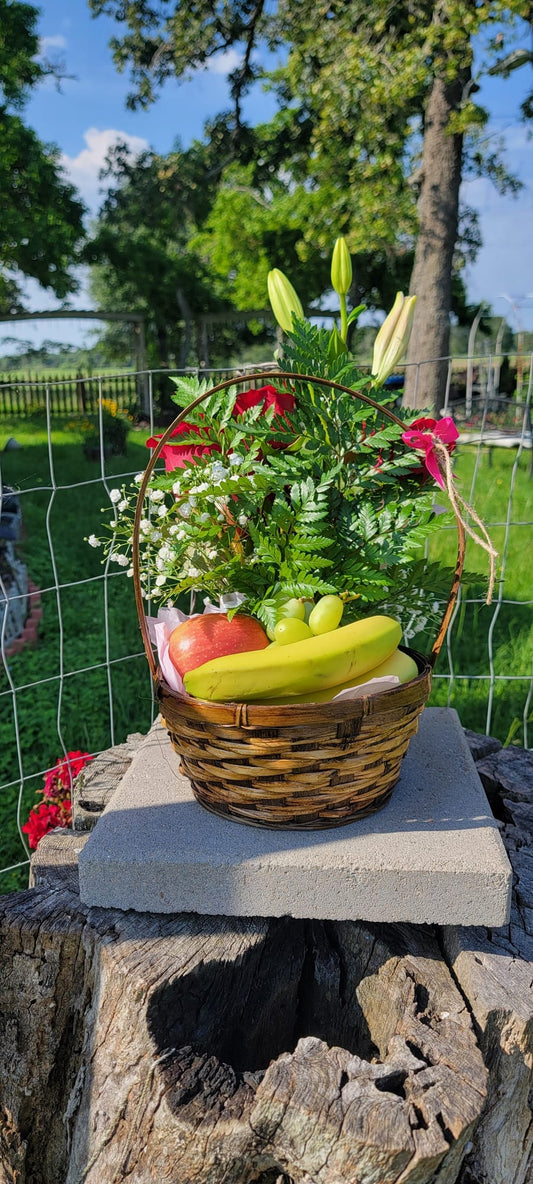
column 213, row 1050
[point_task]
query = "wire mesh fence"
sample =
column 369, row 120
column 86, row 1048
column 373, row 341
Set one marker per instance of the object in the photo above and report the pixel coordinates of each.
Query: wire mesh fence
column 79, row 680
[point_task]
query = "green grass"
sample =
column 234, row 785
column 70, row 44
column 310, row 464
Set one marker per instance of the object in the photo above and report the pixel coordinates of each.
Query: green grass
column 83, row 705
column 512, row 631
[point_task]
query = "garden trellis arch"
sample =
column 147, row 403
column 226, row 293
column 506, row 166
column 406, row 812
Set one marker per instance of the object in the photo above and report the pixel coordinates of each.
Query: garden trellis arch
column 136, row 319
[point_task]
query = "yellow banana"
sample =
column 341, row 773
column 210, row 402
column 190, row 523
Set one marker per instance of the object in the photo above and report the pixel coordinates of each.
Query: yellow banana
column 314, row 664
column 400, row 664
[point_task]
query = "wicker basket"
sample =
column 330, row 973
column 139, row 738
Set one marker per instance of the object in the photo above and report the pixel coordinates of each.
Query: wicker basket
column 299, row 766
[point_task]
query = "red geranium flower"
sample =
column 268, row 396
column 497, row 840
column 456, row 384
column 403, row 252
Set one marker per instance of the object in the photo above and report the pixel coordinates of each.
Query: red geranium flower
column 60, row 778
column 44, row 818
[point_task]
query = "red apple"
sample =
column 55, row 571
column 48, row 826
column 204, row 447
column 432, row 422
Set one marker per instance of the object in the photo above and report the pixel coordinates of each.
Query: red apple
column 213, row 635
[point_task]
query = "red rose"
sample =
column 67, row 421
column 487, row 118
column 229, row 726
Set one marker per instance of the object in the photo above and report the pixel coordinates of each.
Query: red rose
column 281, row 401
column 177, row 456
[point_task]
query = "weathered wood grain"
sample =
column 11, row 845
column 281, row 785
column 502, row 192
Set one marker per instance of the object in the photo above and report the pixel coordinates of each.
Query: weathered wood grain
column 213, row 1049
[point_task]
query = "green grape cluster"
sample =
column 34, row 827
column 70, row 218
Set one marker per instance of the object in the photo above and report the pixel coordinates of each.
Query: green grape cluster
column 301, row 619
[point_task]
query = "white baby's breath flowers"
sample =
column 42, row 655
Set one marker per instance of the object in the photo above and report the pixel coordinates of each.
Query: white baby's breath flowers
column 93, row 541
column 162, row 511
column 122, row 560
column 156, row 495
column 123, row 505
column 115, row 496
column 242, row 519
column 160, row 580
column 145, row 526
column 185, row 509
column 218, row 472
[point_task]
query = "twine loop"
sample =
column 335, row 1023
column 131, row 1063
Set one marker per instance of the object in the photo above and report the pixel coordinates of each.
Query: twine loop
column 463, row 510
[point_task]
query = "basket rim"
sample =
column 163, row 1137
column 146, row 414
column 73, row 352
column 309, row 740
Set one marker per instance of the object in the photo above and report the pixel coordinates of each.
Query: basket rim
column 330, row 708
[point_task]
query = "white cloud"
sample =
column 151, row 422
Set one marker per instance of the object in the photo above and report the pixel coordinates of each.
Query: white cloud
column 84, row 169
column 55, row 42
column 225, row 62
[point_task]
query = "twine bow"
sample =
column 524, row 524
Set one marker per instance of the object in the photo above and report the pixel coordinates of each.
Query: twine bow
column 437, row 439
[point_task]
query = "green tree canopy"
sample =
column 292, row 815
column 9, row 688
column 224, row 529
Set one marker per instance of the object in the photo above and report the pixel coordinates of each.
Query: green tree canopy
column 146, row 251
column 379, row 123
column 42, row 220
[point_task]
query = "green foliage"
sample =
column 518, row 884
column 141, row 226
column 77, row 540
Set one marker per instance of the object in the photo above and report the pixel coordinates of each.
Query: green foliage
column 161, row 42
column 311, row 495
column 41, row 225
column 147, row 252
column 342, row 154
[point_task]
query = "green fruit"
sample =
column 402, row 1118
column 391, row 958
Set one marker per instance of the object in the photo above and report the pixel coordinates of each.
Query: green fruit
column 293, row 608
column 326, row 615
column 308, row 608
column 291, row 629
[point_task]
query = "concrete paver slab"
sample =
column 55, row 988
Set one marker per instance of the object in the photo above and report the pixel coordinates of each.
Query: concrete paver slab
column 432, row 855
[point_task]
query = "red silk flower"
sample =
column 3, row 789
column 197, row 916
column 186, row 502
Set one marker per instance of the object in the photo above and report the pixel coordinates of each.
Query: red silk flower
column 421, row 436
column 177, row 456
column 281, row 401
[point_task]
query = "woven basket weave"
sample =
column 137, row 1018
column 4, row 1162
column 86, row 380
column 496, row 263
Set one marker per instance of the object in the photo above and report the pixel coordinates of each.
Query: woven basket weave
column 300, row 766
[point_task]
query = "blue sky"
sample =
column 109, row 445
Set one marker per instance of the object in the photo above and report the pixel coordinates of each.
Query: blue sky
column 90, row 113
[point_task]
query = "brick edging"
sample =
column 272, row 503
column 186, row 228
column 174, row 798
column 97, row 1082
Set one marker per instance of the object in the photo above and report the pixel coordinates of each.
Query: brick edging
column 28, row 636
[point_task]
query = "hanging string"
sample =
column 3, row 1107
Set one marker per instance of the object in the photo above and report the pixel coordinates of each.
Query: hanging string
column 463, row 510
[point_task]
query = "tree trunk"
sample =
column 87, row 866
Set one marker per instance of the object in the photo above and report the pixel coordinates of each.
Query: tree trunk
column 214, row 1050
column 431, row 280
column 217, row 1050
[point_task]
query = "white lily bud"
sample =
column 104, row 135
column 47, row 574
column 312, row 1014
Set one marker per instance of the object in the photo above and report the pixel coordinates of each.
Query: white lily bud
column 284, row 300
column 341, row 268
column 393, row 337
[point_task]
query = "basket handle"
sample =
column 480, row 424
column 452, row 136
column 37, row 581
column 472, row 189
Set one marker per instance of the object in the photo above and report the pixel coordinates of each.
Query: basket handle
column 222, row 386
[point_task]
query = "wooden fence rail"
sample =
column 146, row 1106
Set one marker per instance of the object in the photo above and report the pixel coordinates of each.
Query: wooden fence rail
column 70, row 394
